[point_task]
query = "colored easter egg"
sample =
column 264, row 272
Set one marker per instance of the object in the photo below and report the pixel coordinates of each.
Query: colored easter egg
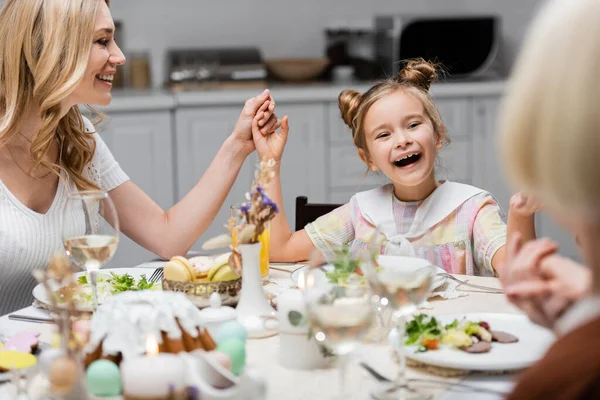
column 63, row 374
column 103, row 378
column 236, row 350
column 231, row 329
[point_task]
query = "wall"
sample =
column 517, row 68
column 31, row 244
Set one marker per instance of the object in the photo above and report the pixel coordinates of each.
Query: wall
column 282, row 28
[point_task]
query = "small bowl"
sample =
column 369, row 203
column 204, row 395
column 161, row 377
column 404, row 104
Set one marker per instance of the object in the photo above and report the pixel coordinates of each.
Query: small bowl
column 297, row 69
column 199, row 292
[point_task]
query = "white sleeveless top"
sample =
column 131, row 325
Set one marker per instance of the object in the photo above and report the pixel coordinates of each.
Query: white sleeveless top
column 28, row 238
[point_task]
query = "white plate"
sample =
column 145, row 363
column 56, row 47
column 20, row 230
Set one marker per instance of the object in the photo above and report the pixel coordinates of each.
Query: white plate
column 533, row 343
column 319, row 274
column 40, row 294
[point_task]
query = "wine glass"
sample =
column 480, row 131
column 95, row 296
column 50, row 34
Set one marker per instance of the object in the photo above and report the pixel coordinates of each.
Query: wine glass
column 402, row 283
column 90, row 232
column 339, row 316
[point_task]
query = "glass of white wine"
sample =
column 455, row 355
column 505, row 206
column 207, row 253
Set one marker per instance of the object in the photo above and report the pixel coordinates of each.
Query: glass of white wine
column 90, row 232
column 404, row 284
column 339, row 316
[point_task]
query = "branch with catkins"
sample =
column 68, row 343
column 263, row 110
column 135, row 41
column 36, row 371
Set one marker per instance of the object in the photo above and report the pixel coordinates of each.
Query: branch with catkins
column 254, row 213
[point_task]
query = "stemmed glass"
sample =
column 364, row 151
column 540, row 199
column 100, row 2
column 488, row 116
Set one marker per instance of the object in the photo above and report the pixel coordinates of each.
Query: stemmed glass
column 404, row 284
column 339, row 316
column 90, row 232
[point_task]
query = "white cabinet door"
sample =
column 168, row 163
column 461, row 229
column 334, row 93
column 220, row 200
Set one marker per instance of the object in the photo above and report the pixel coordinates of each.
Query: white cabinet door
column 303, row 167
column 141, row 142
column 200, row 133
column 488, row 172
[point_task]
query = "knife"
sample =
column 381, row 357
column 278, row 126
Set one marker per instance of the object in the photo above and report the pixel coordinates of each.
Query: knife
column 29, row 318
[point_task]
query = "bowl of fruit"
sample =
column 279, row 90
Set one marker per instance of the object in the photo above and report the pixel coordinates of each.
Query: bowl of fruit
column 198, row 277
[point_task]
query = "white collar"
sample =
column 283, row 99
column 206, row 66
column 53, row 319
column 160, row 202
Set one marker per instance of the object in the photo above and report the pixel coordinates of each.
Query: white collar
column 585, row 310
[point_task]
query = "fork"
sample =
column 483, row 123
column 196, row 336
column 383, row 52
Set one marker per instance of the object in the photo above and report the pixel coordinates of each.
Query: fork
column 463, row 283
column 433, row 383
column 156, row 275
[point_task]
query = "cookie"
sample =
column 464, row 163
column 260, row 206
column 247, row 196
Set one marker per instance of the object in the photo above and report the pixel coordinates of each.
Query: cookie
column 16, row 359
column 26, row 341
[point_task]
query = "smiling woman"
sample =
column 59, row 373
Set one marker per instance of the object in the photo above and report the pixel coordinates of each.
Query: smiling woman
column 54, row 56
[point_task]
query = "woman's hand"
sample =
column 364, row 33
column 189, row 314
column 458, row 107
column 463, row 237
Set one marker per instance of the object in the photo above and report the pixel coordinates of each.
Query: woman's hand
column 559, row 283
column 522, row 264
column 522, row 260
column 270, row 145
column 263, row 106
column 524, row 205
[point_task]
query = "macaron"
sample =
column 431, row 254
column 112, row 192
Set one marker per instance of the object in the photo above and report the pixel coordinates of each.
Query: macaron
column 179, row 269
column 201, row 266
column 222, row 273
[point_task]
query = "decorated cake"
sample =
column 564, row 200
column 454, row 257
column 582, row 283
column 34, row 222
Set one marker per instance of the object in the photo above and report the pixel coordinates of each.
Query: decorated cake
column 121, row 327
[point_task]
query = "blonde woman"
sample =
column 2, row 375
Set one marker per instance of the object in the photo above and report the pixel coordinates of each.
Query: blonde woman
column 551, row 142
column 54, row 55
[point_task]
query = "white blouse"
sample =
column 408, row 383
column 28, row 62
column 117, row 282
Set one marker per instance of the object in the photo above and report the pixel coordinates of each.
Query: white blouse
column 28, row 238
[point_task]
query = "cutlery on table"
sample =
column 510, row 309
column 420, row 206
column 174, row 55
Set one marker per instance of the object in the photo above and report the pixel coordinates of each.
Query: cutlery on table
column 454, row 386
column 487, row 289
column 156, row 275
column 30, row 318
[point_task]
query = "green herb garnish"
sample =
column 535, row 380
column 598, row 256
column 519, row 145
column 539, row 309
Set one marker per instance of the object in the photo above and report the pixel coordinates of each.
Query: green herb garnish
column 422, row 326
column 344, row 265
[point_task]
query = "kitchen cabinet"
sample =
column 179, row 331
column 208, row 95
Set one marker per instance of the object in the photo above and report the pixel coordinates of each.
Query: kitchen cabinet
column 200, row 133
column 141, row 142
column 488, row 172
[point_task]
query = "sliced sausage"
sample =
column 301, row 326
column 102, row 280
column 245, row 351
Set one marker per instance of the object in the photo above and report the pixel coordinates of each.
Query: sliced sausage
column 503, row 337
column 479, row 347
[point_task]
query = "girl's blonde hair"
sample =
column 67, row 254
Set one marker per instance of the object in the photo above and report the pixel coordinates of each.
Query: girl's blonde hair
column 550, row 122
column 415, row 79
column 44, row 53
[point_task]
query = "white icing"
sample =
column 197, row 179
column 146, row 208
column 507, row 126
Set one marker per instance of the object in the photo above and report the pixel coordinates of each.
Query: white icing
column 123, row 323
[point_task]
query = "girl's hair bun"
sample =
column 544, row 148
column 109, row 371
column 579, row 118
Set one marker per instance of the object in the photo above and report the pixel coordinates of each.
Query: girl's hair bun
column 419, row 73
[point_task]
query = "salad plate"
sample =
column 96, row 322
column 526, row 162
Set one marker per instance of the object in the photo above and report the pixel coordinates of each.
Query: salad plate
column 335, row 273
column 110, row 281
column 531, row 344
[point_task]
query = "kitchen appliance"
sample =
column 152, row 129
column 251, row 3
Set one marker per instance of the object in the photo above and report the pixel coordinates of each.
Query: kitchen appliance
column 213, row 68
column 467, row 47
column 349, row 45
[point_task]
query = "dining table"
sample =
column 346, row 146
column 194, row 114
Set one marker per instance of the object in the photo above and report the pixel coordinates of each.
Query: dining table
column 284, row 383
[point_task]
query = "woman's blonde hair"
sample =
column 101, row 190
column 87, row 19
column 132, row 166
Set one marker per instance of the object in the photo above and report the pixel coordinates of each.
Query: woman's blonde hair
column 44, row 53
column 415, row 79
column 550, row 122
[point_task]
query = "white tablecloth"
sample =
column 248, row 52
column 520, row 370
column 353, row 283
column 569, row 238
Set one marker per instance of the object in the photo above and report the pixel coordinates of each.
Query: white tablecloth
column 262, row 354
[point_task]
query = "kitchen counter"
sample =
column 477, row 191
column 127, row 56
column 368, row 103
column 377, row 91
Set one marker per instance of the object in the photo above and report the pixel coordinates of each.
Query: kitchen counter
column 125, row 100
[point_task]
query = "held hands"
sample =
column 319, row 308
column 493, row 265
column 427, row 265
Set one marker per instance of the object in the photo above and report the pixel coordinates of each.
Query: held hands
column 540, row 282
column 261, row 105
column 524, row 205
column 270, row 144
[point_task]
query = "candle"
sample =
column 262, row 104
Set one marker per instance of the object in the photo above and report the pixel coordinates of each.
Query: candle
column 296, row 349
column 292, row 311
column 154, row 376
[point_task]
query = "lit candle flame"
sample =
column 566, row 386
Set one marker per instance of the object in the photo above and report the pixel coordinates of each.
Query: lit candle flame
column 309, row 281
column 151, row 346
column 301, row 280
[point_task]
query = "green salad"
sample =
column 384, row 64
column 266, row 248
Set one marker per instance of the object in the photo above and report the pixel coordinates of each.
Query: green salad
column 107, row 285
column 428, row 333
